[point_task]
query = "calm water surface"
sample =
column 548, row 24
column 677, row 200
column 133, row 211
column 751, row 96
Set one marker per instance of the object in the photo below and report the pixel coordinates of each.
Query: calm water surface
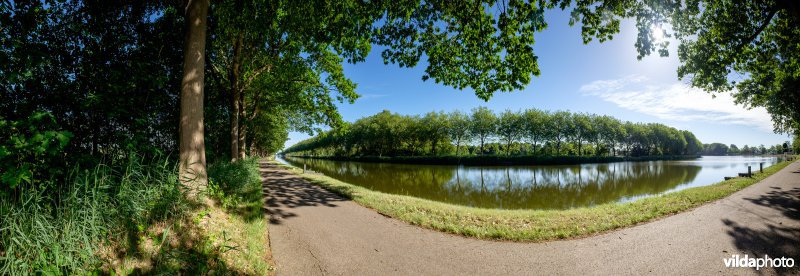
column 535, row 187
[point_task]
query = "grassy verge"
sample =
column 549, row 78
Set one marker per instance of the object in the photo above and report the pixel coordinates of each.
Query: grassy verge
column 533, row 225
column 130, row 217
column 500, row 160
column 242, row 224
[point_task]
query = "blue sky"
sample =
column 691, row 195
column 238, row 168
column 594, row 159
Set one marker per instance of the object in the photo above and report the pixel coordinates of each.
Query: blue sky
column 601, row 78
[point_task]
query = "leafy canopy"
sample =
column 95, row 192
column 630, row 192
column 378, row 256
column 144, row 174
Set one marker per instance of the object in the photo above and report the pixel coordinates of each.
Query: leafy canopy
column 749, row 47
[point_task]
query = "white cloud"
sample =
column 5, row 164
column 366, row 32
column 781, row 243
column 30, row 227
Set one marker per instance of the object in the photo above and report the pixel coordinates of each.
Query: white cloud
column 677, row 102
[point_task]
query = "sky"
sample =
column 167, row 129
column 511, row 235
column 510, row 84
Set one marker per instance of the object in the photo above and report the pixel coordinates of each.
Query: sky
column 600, row 78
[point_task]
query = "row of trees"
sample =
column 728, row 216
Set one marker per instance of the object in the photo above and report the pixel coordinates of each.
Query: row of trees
column 482, row 131
column 722, row 149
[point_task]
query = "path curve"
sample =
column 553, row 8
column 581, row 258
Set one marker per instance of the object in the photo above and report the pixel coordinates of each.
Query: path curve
column 316, row 232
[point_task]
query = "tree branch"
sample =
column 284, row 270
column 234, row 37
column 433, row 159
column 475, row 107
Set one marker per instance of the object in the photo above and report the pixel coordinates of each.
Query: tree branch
column 255, row 74
column 760, row 29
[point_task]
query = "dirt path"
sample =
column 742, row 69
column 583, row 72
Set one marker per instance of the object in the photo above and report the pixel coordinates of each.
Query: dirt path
column 315, row 232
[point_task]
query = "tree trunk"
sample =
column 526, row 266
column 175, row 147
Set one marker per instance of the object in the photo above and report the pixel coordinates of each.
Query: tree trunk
column 482, row 142
column 235, row 93
column 192, row 168
column 234, row 125
column 558, row 147
column 242, row 128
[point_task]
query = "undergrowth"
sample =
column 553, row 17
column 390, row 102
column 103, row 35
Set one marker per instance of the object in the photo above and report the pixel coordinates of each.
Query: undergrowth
column 131, row 217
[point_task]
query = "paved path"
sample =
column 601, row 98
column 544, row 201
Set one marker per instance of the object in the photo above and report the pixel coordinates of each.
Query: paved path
column 315, row 232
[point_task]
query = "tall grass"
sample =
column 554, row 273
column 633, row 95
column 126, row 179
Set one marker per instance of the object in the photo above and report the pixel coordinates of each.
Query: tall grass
column 237, row 186
column 56, row 227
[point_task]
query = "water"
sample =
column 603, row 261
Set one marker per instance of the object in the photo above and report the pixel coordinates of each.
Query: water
column 536, row 187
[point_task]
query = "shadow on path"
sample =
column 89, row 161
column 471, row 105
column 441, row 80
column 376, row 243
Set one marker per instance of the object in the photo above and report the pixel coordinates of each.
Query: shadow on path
column 285, row 191
column 775, row 238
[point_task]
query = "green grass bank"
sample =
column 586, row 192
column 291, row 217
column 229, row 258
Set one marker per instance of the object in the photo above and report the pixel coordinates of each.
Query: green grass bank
column 533, row 225
column 500, row 160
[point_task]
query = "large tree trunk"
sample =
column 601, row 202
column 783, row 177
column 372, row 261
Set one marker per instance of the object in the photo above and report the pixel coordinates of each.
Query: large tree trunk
column 192, row 168
column 236, row 101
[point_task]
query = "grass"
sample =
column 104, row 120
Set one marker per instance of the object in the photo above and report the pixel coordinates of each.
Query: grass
column 533, row 225
column 236, row 187
column 131, row 217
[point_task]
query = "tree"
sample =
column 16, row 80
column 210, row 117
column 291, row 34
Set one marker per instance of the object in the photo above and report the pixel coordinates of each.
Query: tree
column 269, row 56
column 483, row 125
column 106, row 71
column 759, row 41
column 693, row 146
column 486, row 46
column 610, row 132
column 560, row 128
column 733, row 149
column 510, row 128
column 436, row 128
column 715, row 149
column 582, row 129
column 535, row 126
column 192, row 168
column 468, row 45
column 459, row 128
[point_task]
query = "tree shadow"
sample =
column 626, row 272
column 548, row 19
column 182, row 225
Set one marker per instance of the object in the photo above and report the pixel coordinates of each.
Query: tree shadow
column 285, row 191
column 169, row 246
column 777, row 239
column 788, row 202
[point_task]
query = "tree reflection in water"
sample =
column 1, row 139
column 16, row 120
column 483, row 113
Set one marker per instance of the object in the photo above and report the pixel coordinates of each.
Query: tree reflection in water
column 524, row 187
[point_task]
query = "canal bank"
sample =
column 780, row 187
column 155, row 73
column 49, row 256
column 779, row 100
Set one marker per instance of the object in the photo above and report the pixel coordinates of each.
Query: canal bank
column 553, row 187
column 318, row 232
column 533, row 225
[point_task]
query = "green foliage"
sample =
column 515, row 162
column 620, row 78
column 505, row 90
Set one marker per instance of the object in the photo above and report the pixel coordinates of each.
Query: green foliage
column 749, row 47
column 525, row 132
column 107, row 72
column 693, row 146
column 459, row 128
column 53, row 229
column 715, row 149
column 30, row 150
column 237, row 186
column 510, row 127
column 483, row 45
column 483, row 125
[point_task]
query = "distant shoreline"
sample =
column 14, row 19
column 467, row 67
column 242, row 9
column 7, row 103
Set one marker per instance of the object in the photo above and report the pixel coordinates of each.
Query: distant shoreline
column 498, row 160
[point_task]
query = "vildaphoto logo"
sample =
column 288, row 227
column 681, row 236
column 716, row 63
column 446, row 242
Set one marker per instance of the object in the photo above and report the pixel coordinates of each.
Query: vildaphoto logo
column 758, row 263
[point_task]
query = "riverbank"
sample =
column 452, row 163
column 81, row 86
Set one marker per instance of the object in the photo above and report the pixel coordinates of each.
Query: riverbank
column 317, row 232
column 533, row 225
column 499, row 160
